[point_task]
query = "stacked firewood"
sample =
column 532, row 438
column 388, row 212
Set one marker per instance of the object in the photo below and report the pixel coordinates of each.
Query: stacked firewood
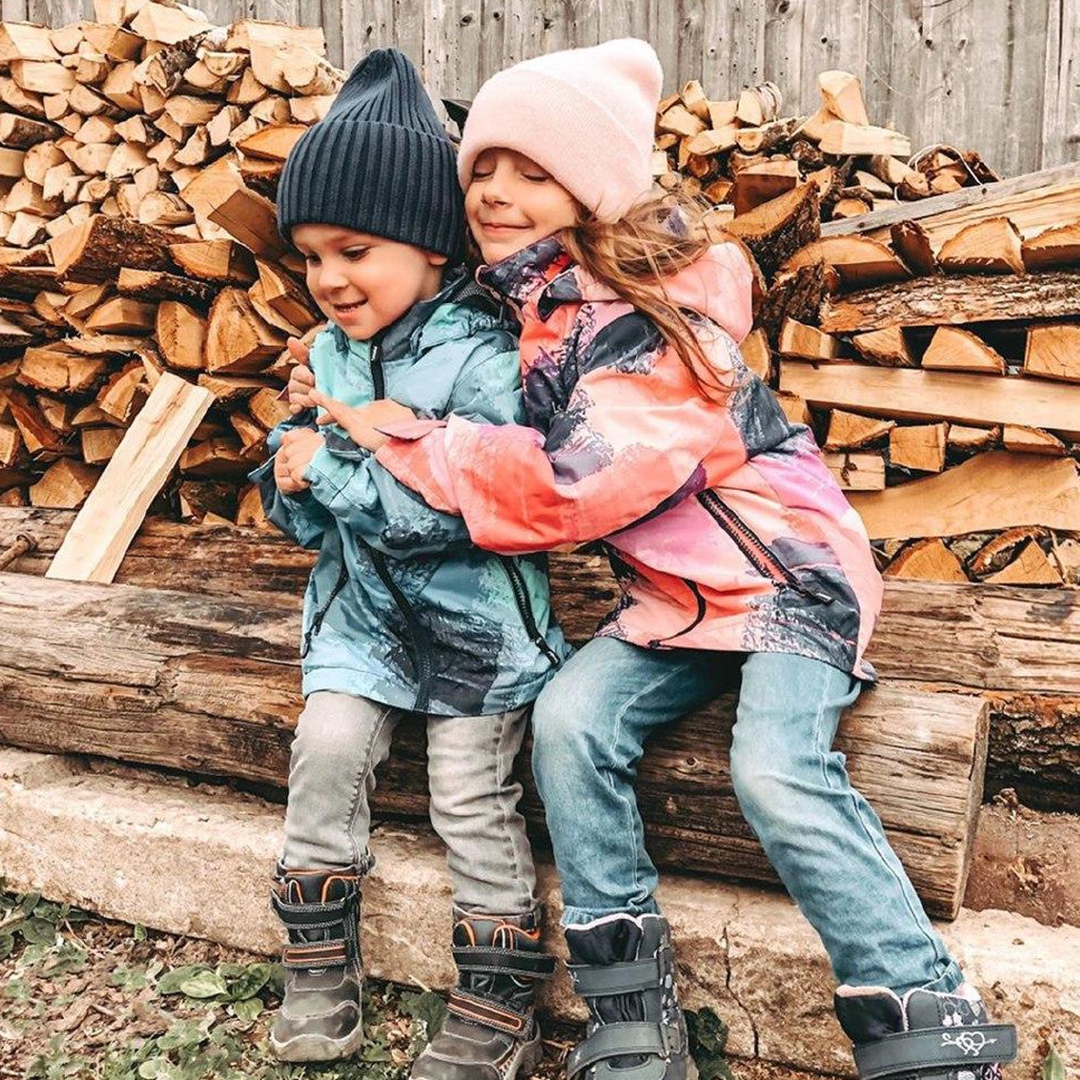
column 941, row 377
column 742, row 152
column 140, row 155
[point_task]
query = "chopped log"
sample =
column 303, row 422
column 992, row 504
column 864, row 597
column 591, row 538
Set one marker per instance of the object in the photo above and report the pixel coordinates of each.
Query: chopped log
column 98, row 444
column 912, row 244
column 935, row 395
column 679, row 120
column 926, row 560
column 845, row 139
column 1029, row 440
column 269, row 408
column 230, row 389
column 766, row 138
column 998, row 552
column 756, row 354
column 1031, row 567
column 759, row 105
column 38, row 435
column 42, row 76
column 122, row 315
column 799, row 341
column 216, row 260
column 792, row 296
column 953, row 300
column 285, row 296
column 849, row 431
column 238, row 340
column 992, row 246
column 232, row 692
column 857, row 472
column 65, row 485
column 112, row 41
column 762, row 183
column 972, row 438
column 98, row 249
column 170, row 25
column 220, row 194
column 1053, row 352
column 100, row 535
column 843, row 97
column 887, row 346
column 776, row 229
column 991, row 491
column 159, row 285
column 22, row 132
column 181, row 335
column 273, row 143
column 848, row 206
column 921, row 447
column 249, row 511
column 953, row 349
column 26, row 41
column 859, row 262
column 1053, row 248
column 252, row 435
column 794, row 408
column 216, row 458
column 10, row 444
column 59, row 373
column 123, row 393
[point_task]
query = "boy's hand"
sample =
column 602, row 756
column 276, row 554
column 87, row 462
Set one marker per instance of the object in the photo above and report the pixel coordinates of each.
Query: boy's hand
column 301, row 380
column 361, row 421
column 297, row 449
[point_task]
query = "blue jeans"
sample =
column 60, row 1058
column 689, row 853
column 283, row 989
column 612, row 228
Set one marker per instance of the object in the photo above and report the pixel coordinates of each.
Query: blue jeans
column 826, row 843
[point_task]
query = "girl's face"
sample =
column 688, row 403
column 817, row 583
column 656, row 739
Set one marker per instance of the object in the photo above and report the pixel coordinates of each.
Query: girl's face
column 511, row 202
column 364, row 282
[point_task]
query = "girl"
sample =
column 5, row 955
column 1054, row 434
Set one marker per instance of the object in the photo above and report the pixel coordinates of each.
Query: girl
column 402, row 613
column 733, row 546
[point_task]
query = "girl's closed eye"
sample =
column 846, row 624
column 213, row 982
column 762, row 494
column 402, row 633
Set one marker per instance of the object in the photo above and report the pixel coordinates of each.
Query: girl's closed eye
column 355, row 254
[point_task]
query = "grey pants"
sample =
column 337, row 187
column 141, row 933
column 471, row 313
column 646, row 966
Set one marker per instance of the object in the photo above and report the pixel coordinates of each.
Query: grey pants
column 340, row 741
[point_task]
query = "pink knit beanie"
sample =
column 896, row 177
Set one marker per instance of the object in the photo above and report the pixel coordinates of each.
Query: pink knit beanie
column 585, row 115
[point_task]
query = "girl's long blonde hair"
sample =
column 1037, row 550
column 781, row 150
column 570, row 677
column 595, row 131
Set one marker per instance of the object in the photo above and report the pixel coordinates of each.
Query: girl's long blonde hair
column 655, row 239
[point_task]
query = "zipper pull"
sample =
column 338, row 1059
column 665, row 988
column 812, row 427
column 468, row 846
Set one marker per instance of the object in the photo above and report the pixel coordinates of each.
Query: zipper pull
column 814, row 594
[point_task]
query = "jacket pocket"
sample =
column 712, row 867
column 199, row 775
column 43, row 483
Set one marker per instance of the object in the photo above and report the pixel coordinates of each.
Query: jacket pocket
column 760, row 556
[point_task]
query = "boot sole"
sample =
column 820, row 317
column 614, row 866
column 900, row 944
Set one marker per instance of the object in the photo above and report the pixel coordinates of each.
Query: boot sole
column 317, row 1047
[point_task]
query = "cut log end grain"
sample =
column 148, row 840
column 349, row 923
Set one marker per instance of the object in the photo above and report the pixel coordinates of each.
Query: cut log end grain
column 1054, row 248
column 802, row 342
column 850, row 431
column 954, row 349
column 238, row 340
column 926, row 560
column 1031, row 567
column 887, row 346
column 857, row 471
column 859, row 261
column 992, row 246
column 1053, row 352
column 1029, row 440
column 65, row 485
column 181, row 335
column 919, row 447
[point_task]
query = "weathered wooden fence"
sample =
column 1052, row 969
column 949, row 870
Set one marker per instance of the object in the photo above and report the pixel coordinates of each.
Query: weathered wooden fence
column 1002, row 76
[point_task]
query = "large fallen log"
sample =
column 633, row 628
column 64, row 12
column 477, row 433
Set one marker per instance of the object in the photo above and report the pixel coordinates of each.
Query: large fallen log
column 210, row 684
column 1017, row 648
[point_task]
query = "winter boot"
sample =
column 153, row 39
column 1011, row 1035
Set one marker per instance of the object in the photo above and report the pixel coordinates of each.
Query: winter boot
column 490, row 1031
column 624, row 968
column 320, row 1018
column 924, row 1035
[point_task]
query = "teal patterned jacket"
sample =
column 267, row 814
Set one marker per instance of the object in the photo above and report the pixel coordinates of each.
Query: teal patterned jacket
column 401, row 607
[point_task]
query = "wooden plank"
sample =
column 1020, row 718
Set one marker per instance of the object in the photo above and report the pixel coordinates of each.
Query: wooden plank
column 95, row 545
column 995, row 490
column 1033, row 202
column 935, row 395
column 1060, row 91
column 212, row 684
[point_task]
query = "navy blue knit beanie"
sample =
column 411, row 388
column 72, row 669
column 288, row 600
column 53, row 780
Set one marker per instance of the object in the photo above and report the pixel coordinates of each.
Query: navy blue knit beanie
column 379, row 162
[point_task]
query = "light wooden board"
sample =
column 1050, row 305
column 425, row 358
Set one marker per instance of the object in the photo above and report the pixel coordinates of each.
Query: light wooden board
column 99, row 537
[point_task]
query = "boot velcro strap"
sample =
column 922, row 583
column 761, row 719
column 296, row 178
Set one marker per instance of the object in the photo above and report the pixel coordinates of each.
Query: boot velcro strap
column 613, row 1040
column 931, row 1048
column 309, row 955
column 489, row 1012
column 314, row 916
column 492, row 961
column 593, row 980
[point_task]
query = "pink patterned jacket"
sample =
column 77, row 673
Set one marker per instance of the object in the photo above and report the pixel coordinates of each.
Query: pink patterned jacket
column 723, row 524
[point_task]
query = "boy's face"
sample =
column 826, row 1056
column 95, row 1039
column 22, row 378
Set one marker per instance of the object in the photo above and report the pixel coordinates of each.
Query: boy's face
column 511, row 202
column 364, row 282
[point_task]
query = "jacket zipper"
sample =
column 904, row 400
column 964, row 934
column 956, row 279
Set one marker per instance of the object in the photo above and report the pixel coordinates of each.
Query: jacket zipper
column 756, row 551
column 378, row 380
column 418, row 633
column 521, row 598
column 320, row 615
column 699, row 615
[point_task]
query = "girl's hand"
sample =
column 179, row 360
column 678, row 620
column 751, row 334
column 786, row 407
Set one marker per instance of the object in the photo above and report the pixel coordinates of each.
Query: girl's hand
column 301, row 380
column 297, row 449
column 362, row 421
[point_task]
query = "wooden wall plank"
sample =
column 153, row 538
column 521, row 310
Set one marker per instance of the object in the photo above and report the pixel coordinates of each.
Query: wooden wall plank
column 1061, row 87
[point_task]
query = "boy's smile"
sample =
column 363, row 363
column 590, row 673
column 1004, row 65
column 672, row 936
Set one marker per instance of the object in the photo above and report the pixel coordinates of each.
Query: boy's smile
column 512, row 202
column 364, row 282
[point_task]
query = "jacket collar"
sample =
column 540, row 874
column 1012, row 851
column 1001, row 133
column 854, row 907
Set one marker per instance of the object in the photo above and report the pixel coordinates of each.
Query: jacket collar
column 532, row 273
